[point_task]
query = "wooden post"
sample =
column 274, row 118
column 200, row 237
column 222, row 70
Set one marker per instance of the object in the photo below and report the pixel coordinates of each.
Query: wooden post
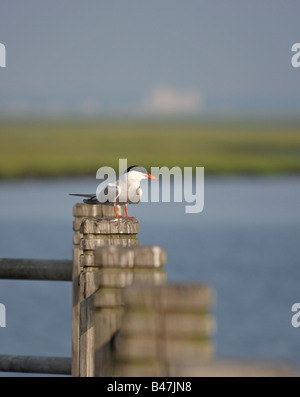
column 117, row 268
column 94, row 226
column 80, row 212
column 126, row 321
column 165, row 329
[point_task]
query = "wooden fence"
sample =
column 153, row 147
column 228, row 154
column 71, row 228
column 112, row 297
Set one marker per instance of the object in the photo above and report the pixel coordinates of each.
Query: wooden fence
column 127, row 320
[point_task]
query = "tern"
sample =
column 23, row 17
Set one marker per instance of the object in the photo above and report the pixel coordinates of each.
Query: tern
column 125, row 190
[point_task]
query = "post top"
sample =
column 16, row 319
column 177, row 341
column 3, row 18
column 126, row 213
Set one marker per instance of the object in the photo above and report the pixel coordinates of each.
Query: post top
column 109, row 226
column 97, row 210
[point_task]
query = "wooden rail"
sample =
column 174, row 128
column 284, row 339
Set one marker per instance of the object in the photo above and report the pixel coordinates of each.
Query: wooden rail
column 36, row 364
column 36, row 269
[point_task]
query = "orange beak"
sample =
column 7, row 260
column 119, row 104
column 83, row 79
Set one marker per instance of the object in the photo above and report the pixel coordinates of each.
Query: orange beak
column 152, row 177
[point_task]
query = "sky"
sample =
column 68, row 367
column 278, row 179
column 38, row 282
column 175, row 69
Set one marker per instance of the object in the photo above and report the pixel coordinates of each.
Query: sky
column 149, row 57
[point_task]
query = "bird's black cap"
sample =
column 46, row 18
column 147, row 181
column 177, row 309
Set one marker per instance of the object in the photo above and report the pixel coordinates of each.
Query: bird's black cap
column 137, row 168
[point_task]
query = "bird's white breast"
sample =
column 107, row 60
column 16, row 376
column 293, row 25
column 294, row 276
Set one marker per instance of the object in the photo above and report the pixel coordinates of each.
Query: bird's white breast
column 130, row 191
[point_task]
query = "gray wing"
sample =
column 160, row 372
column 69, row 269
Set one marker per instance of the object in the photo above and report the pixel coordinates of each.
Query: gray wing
column 91, row 198
column 110, row 194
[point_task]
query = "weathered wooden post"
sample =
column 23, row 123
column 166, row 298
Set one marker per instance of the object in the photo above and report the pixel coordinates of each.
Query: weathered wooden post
column 126, row 320
column 119, row 268
column 165, row 330
column 94, row 226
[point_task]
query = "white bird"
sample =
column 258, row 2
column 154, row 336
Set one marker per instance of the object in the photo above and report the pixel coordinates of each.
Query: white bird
column 125, row 190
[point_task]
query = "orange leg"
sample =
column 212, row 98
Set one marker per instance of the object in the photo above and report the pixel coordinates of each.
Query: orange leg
column 127, row 212
column 117, row 216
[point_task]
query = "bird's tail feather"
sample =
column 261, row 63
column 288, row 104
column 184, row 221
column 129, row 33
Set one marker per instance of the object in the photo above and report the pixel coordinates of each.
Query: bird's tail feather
column 81, row 195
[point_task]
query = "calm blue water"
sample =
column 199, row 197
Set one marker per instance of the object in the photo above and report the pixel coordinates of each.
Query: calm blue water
column 245, row 244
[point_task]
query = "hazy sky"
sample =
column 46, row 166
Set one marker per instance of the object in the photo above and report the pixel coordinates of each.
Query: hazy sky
column 149, row 56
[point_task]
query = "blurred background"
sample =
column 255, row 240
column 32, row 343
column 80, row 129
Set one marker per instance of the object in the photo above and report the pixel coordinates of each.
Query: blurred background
column 172, row 83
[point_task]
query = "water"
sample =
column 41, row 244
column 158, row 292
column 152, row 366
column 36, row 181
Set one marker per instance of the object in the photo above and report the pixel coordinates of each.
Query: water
column 245, row 244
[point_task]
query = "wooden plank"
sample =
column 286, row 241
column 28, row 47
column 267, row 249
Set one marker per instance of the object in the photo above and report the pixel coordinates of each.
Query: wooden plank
column 75, row 311
column 97, row 210
column 87, row 259
column 139, row 347
column 89, row 283
column 109, row 226
column 170, row 350
column 107, row 323
column 175, row 325
column 111, row 278
column 114, row 257
column 87, row 333
column 77, row 237
column 149, row 256
column 93, row 243
column 103, row 358
column 83, row 336
column 186, row 298
column 83, row 210
column 189, row 325
column 152, row 256
column 217, row 368
column 145, row 276
column 108, row 297
column 77, row 222
column 234, row 368
column 148, row 368
column 141, row 323
column 121, row 278
column 188, row 351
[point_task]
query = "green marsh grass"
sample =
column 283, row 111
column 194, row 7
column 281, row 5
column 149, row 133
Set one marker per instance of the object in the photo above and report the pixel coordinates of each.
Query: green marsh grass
column 42, row 148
